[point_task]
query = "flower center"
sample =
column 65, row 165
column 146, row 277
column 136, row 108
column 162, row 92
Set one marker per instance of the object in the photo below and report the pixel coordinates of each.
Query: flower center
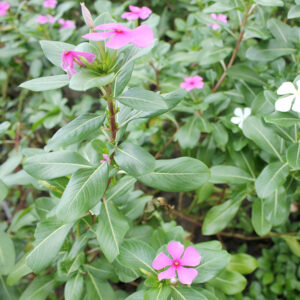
column 118, row 31
column 176, row 263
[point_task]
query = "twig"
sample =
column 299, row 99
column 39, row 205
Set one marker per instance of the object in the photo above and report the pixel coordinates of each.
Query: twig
column 234, row 54
column 255, row 238
column 158, row 154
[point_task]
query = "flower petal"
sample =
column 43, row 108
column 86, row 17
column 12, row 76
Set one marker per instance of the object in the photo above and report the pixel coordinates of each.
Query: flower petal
column 97, row 36
column 191, row 257
column 238, row 112
column 112, row 26
column 284, row 104
column 175, row 249
column 247, row 112
column 296, row 106
column 142, row 36
column 161, row 261
column 186, row 275
column 169, row 273
column 130, row 16
column 236, row 120
column 119, row 40
column 286, row 88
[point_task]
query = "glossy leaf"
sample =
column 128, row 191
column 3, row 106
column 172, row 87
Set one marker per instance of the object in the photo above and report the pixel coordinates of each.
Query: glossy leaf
column 259, row 222
column 46, row 83
column 229, row 175
column 74, row 287
column 242, row 263
column 7, row 254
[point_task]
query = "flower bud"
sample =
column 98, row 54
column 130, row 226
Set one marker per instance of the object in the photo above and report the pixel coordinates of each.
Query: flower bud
column 87, row 16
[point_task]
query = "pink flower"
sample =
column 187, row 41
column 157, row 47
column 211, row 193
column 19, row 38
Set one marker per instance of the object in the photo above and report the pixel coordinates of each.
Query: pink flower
column 45, row 19
column 105, row 159
column 195, row 82
column 141, row 36
column 221, row 18
column 4, row 7
column 66, row 24
column 70, row 57
column 137, row 12
column 50, row 3
column 190, row 258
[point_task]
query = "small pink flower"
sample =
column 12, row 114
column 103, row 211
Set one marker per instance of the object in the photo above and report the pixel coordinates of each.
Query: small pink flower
column 141, row 36
column 221, row 18
column 190, row 258
column 4, row 7
column 66, row 24
column 195, row 82
column 70, row 57
column 105, row 159
column 50, row 3
column 137, row 13
column 45, row 19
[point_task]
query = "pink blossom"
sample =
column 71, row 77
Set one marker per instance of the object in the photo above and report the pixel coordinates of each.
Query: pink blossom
column 66, row 24
column 105, row 159
column 137, row 12
column 190, row 258
column 4, row 7
column 141, row 36
column 70, row 57
column 45, row 19
column 195, row 82
column 221, row 18
column 50, row 3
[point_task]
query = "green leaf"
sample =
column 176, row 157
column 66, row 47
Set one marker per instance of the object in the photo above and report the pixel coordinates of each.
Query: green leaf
column 269, row 51
column 220, row 6
column 54, row 164
column 39, row 289
column 212, row 262
column 263, row 103
column 277, row 207
column 76, row 131
column 137, row 255
column 159, row 293
column 280, row 30
column 188, row 135
column 87, row 79
column 262, row 136
column 3, row 190
column 111, row 230
column 229, row 282
column 244, row 72
column 177, row 175
column 186, row 293
column 49, row 238
column 230, row 175
column 259, row 222
column 284, row 119
column 293, row 244
column 46, row 83
column 269, row 2
column 208, row 56
column 98, row 290
column 242, row 263
column 136, row 296
column 3, row 127
column 74, row 288
column 294, row 12
column 101, row 269
column 142, row 100
column 7, row 254
column 83, row 192
column 293, row 156
column 134, row 160
column 271, row 178
column 53, row 50
column 219, row 216
column 18, row 271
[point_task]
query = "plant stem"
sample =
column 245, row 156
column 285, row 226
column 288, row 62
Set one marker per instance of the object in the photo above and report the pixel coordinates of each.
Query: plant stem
column 235, row 52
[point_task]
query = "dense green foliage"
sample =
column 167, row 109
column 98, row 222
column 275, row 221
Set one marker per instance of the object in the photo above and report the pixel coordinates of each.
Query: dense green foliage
column 102, row 169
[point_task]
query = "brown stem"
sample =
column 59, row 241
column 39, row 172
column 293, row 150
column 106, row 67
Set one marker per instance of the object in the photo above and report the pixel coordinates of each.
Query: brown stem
column 234, row 54
column 158, row 154
column 254, row 238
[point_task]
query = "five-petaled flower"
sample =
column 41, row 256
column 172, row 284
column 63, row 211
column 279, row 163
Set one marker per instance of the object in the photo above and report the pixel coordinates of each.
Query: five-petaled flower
column 66, row 24
column 221, row 18
column 50, row 3
column 285, row 103
column 70, row 57
column 141, row 36
column 45, row 19
column 4, row 7
column 190, row 83
column 240, row 116
column 137, row 13
column 105, row 158
column 190, row 258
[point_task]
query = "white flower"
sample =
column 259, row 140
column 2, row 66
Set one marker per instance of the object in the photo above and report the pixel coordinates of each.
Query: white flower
column 285, row 103
column 241, row 115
